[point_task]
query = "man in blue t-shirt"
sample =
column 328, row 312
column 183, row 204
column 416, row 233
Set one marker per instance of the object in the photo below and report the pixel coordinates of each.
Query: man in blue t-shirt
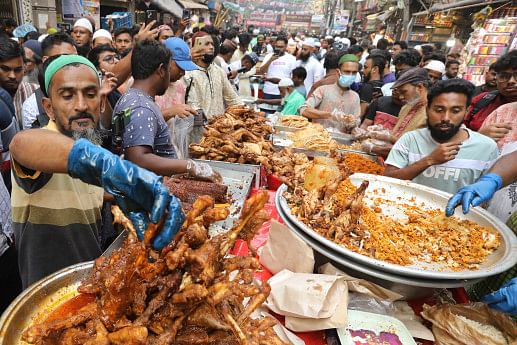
column 446, row 155
column 146, row 140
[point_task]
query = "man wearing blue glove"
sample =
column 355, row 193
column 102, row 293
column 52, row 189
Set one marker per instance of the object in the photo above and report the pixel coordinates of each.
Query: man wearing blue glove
column 503, row 173
column 59, row 182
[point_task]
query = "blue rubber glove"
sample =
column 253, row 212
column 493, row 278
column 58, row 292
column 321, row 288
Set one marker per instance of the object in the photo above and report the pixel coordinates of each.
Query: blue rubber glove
column 504, row 299
column 475, row 194
column 139, row 192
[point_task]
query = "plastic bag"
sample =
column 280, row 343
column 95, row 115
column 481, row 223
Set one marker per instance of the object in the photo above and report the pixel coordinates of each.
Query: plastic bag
column 467, row 325
column 344, row 122
column 180, row 129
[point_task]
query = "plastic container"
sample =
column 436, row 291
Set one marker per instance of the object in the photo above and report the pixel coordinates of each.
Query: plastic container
column 380, row 329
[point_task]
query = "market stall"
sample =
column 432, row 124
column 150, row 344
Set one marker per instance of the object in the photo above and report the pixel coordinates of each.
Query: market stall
column 493, row 36
column 332, row 251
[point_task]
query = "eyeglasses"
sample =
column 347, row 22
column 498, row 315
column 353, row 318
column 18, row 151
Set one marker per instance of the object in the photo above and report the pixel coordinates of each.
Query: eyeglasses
column 506, row 76
column 110, row 59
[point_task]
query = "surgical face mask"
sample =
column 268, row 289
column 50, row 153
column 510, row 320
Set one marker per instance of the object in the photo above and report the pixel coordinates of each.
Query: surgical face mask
column 208, row 58
column 346, row 80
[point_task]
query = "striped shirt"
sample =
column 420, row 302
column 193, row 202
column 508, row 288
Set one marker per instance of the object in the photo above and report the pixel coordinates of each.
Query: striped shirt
column 56, row 221
column 476, row 156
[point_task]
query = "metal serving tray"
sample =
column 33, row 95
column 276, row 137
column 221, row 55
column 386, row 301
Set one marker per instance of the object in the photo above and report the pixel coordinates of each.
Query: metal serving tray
column 409, row 287
column 236, row 167
column 36, row 302
column 411, row 193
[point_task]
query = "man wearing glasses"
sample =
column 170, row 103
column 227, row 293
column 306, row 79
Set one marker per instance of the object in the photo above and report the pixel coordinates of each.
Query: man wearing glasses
column 486, row 103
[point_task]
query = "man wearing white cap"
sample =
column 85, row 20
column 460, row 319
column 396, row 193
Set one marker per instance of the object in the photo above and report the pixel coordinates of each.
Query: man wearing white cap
column 291, row 98
column 101, row 37
column 82, row 35
column 315, row 71
column 435, row 69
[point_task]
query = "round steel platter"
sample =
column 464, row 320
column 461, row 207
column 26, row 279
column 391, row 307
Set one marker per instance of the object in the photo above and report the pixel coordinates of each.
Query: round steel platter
column 382, row 275
column 36, row 302
column 411, row 193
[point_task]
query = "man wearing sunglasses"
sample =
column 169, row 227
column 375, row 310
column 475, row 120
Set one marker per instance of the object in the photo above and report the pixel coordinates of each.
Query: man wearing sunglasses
column 485, row 103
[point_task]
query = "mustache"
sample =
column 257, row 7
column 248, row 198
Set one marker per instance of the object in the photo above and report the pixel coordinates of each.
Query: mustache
column 80, row 116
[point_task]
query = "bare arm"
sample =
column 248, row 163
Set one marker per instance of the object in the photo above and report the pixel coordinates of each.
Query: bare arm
column 312, row 113
column 506, row 168
column 144, row 157
column 273, row 80
column 366, row 123
column 443, row 153
column 41, row 150
column 364, row 107
column 269, row 101
column 264, row 67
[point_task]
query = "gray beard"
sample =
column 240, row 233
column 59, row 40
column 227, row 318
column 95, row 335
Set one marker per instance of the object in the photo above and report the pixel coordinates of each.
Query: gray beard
column 91, row 134
column 32, row 76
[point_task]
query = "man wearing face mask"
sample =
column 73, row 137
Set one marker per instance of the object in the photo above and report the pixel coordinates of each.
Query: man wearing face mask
column 435, row 156
column 326, row 100
column 315, row 71
column 292, row 100
column 208, row 89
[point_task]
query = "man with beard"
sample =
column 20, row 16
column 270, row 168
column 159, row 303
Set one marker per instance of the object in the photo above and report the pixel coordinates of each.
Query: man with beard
column 452, row 69
column 32, row 60
column 123, row 41
column 208, row 89
column 146, row 138
column 276, row 66
column 56, row 199
column 315, row 71
column 490, row 82
column 445, row 155
column 373, row 71
column 82, row 34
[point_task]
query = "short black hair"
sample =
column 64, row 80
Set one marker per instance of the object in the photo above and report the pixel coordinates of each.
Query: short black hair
column 123, row 30
column 299, row 72
column 10, row 49
column 55, row 40
column 332, row 59
column 225, row 50
column 451, row 85
column 147, row 57
column 384, row 53
column 427, row 48
column 355, row 49
column 402, row 44
column 93, row 55
column 32, row 35
column 492, row 67
column 282, row 38
column 507, row 61
column 244, row 38
column 378, row 61
column 452, row 62
column 438, row 56
column 407, row 57
column 383, row 44
column 352, row 40
column 229, row 34
column 9, row 22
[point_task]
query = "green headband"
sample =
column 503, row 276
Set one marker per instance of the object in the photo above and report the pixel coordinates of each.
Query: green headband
column 348, row 58
column 63, row 61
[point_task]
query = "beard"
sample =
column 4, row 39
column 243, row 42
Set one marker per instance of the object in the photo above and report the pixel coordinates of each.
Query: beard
column 305, row 58
column 93, row 134
column 32, row 76
column 441, row 135
column 208, row 58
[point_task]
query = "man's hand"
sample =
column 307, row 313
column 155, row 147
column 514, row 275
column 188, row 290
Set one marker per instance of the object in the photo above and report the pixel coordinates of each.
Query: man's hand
column 184, row 23
column 139, row 192
column 147, row 32
column 203, row 171
column 179, row 110
column 232, row 74
column 197, row 53
column 109, row 84
column 443, row 153
column 475, row 194
column 259, row 101
column 496, row 131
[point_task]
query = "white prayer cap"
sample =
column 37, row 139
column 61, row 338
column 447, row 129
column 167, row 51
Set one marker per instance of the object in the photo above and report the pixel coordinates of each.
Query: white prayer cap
column 285, row 82
column 84, row 23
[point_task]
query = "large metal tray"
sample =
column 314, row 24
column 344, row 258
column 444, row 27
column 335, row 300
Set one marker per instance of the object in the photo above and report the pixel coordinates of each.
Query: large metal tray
column 36, row 302
column 236, row 167
column 405, row 191
column 409, row 287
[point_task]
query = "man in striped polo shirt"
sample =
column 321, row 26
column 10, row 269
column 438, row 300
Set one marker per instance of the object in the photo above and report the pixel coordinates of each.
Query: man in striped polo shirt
column 446, row 155
column 57, row 195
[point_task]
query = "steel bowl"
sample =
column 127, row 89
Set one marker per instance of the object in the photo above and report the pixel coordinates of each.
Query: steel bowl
column 398, row 190
column 36, row 302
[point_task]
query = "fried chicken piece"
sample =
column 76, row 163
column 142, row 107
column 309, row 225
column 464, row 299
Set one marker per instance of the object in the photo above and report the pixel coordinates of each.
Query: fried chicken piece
column 101, row 335
column 191, row 294
column 206, row 316
column 197, row 234
column 132, row 335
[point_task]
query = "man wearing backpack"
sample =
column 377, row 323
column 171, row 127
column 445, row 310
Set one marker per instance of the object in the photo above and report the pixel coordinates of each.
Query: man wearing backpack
column 485, row 103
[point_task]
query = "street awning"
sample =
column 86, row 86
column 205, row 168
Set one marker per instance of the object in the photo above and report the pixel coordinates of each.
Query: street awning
column 457, row 5
column 191, row 5
column 171, row 6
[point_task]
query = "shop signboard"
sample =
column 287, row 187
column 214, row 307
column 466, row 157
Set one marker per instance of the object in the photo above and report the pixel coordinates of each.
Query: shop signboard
column 341, row 20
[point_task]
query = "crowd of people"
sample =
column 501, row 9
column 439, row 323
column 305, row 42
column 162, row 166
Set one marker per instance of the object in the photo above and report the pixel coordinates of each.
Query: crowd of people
column 92, row 117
